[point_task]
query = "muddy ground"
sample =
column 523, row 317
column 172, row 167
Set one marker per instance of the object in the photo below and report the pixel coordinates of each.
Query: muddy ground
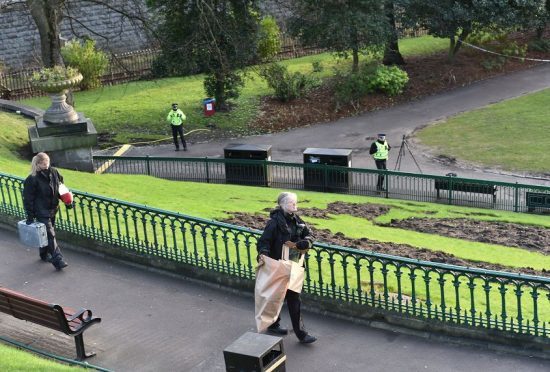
column 507, row 234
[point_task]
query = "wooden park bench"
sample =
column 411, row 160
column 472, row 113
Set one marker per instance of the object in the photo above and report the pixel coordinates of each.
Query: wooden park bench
column 62, row 319
column 478, row 188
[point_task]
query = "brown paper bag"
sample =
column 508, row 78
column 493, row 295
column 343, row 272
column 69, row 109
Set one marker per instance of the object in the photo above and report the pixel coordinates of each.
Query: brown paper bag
column 272, row 280
column 297, row 274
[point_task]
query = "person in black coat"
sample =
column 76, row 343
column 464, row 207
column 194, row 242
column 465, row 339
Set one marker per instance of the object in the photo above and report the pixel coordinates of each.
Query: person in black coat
column 286, row 227
column 41, row 202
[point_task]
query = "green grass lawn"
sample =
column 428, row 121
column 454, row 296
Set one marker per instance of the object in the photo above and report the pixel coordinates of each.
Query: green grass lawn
column 13, row 359
column 189, row 198
column 511, row 135
column 137, row 111
column 213, row 201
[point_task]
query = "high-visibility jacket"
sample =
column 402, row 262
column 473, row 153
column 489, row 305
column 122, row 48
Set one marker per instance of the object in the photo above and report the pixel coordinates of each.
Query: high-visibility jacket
column 176, row 117
column 382, row 151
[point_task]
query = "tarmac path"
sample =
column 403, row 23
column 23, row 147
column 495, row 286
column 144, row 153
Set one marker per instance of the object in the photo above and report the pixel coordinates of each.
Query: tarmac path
column 157, row 322
column 395, row 122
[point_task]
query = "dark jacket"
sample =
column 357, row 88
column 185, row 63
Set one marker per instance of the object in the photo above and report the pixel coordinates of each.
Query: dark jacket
column 41, row 193
column 281, row 228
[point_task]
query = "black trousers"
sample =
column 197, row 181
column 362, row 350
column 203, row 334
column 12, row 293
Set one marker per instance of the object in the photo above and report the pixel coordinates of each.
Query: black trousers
column 178, row 129
column 380, row 164
column 293, row 303
column 52, row 247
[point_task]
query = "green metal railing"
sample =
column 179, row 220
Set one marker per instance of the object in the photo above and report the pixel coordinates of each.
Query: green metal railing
column 514, row 304
column 327, row 178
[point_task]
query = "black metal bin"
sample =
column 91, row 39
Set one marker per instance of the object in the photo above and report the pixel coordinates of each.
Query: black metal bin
column 244, row 173
column 317, row 177
column 255, row 352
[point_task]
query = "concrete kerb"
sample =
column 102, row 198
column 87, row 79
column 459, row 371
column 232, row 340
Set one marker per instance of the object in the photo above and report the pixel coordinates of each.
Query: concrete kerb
column 374, row 317
column 27, row 111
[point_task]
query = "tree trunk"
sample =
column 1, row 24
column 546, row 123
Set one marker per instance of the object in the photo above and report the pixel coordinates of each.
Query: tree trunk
column 47, row 15
column 355, row 65
column 221, row 104
column 392, row 56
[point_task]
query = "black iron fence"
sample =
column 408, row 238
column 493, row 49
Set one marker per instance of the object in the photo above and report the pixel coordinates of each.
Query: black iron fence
column 326, row 178
column 511, row 304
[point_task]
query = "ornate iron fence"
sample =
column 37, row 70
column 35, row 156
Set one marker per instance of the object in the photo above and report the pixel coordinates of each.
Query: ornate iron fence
column 326, row 178
column 513, row 304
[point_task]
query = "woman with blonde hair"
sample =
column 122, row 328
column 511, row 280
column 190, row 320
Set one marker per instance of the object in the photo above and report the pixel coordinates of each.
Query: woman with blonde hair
column 41, row 202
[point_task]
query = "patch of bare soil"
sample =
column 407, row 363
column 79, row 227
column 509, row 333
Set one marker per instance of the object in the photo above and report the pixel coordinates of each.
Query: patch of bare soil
column 427, row 75
column 533, row 238
column 258, row 221
column 367, row 211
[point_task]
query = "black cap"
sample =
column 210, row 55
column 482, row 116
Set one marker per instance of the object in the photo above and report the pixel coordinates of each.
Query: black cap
column 174, row 105
column 381, row 135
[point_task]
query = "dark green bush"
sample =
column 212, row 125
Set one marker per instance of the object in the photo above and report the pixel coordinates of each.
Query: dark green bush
column 350, row 87
column 287, row 86
column 540, row 45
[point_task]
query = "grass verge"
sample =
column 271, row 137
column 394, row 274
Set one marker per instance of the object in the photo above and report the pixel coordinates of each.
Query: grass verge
column 512, row 135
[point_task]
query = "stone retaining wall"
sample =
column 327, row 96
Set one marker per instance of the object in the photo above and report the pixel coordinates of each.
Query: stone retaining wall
column 20, row 43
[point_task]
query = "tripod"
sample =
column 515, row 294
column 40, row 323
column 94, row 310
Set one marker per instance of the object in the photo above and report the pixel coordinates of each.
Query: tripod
column 401, row 155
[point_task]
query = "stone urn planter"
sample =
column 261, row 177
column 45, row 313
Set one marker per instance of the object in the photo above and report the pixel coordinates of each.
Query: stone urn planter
column 56, row 81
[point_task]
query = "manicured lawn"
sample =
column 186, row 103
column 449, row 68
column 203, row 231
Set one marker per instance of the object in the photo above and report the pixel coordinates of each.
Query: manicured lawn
column 511, row 135
column 13, row 359
column 216, row 202
column 219, row 201
column 137, row 111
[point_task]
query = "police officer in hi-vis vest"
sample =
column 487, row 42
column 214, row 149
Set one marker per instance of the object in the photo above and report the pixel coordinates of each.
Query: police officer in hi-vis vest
column 379, row 151
column 176, row 118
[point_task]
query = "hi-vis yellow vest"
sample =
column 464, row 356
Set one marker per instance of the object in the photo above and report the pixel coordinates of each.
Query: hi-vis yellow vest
column 381, row 151
column 176, row 117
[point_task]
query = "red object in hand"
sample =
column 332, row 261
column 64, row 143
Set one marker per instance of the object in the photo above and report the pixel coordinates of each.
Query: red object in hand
column 65, row 195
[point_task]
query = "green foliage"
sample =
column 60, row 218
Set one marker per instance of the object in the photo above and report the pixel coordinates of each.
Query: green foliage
column 230, row 86
column 351, row 87
column 54, row 74
column 317, row 66
column 269, row 39
column 287, row 85
column 345, row 27
column 540, row 45
column 388, row 79
column 90, row 61
column 456, row 20
column 216, row 37
column 498, row 41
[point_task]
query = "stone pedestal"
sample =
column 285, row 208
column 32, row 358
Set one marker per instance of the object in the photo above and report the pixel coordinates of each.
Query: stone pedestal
column 69, row 145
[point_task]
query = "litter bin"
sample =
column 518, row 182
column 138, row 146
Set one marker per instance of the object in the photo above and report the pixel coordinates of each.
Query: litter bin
column 317, row 177
column 255, row 352
column 243, row 172
column 209, row 106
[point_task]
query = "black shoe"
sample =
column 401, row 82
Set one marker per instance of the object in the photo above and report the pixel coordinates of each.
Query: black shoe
column 59, row 265
column 46, row 257
column 278, row 330
column 177, row 149
column 185, row 149
column 308, row 339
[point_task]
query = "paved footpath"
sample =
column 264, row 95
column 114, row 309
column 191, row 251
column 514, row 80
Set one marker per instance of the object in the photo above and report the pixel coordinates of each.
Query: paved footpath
column 157, row 322
column 395, row 122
